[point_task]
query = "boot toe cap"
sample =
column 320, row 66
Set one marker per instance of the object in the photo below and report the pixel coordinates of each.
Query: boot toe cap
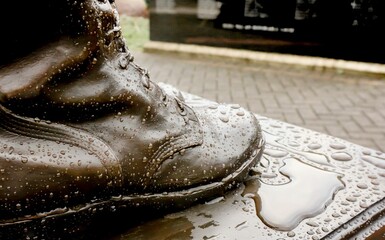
column 231, row 139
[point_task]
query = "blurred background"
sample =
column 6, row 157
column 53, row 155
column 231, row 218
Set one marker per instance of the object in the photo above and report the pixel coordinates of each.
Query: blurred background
column 134, row 18
column 344, row 29
column 340, row 103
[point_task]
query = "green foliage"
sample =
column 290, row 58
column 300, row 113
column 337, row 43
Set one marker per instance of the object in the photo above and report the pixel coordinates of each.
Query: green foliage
column 135, row 30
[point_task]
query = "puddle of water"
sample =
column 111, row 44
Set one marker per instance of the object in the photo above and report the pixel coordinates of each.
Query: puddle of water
column 307, row 194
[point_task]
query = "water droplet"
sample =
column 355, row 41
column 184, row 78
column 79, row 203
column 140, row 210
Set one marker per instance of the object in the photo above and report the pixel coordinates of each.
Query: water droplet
column 336, row 215
column 351, row 199
column 241, row 113
column 312, row 224
column 364, row 205
column 337, row 146
column 341, row 156
column 294, row 144
column 314, row 146
column 362, row 186
column 291, row 234
column 224, row 119
column 24, row 159
column 310, row 232
column 375, row 182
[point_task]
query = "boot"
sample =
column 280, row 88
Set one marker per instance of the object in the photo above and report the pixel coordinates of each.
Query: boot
column 82, row 125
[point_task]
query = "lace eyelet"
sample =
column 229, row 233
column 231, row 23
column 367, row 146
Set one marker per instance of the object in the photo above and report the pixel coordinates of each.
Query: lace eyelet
column 146, row 82
column 181, row 109
column 164, row 98
column 146, row 79
column 123, row 62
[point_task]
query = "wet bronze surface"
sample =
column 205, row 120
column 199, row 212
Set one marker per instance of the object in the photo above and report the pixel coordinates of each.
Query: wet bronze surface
column 91, row 148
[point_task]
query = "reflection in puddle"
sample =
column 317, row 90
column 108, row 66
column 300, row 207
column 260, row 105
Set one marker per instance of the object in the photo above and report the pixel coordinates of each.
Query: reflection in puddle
column 307, row 194
column 161, row 229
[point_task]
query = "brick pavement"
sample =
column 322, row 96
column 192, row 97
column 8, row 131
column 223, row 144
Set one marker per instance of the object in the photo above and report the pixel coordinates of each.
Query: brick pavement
column 345, row 105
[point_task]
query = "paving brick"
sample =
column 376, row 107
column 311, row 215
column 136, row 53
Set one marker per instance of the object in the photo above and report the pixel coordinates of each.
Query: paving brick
column 351, row 126
column 307, row 113
column 379, row 144
column 377, row 118
column 320, row 109
column 318, row 128
column 256, row 106
column 294, row 118
column 363, row 121
column 336, row 131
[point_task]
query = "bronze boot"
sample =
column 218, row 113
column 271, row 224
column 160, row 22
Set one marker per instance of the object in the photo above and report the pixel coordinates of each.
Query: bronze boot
column 82, row 126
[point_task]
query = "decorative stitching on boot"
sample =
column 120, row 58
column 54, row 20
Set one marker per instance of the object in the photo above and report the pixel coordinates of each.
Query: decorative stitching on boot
column 61, row 133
